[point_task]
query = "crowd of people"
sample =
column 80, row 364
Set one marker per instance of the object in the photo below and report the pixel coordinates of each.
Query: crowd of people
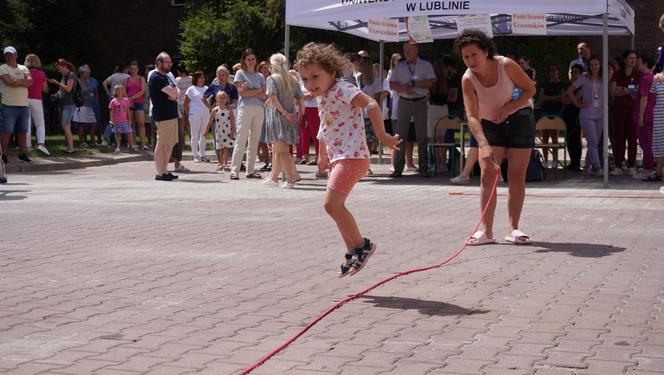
column 268, row 113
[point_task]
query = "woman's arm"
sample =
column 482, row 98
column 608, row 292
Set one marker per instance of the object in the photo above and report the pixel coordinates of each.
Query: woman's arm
column 471, row 103
column 45, row 87
column 618, row 90
column 572, row 98
column 247, row 92
column 185, row 105
column 642, row 109
column 522, row 81
column 276, row 104
column 213, row 113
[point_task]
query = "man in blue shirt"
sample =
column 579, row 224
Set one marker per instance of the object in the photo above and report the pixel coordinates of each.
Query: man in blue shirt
column 163, row 96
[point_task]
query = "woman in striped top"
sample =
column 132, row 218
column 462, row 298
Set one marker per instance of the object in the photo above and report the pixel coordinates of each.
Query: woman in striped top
column 657, row 88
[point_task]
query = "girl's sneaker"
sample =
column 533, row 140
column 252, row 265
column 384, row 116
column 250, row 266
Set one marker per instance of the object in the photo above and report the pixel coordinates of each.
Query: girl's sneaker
column 197, row 160
column 269, row 182
column 117, row 150
column 288, row 185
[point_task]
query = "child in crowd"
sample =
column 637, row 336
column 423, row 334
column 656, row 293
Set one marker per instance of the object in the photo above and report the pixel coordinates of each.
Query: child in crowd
column 119, row 108
column 343, row 144
column 657, row 88
column 224, row 128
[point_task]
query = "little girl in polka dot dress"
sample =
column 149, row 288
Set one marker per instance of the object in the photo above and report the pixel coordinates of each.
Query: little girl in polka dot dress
column 343, row 145
column 224, row 128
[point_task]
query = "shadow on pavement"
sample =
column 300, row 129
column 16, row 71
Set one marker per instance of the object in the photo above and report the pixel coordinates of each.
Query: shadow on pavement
column 5, row 195
column 585, row 250
column 203, row 181
column 425, row 307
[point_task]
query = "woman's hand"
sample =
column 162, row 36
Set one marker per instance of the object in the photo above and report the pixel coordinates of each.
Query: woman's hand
column 503, row 113
column 289, row 117
column 53, row 81
column 486, row 154
column 641, row 124
column 391, row 141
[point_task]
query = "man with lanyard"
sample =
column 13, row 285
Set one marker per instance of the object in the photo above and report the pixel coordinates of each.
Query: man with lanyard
column 583, row 50
column 164, row 96
column 411, row 80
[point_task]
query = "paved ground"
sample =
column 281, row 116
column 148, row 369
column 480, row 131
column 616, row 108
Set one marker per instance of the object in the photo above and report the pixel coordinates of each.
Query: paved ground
column 105, row 271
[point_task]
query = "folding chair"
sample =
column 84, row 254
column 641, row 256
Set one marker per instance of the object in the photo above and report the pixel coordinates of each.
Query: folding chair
column 443, row 125
column 557, row 125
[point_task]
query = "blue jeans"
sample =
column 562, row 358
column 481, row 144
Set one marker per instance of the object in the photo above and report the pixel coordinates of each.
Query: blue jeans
column 15, row 118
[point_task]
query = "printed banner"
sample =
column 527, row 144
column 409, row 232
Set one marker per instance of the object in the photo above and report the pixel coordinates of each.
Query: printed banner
column 385, row 29
column 481, row 22
column 529, row 23
column 419, row 30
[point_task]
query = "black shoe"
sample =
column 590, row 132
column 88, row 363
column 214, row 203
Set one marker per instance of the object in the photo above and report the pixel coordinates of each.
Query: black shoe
column 4, row 159
column 425, row 174
column 163, row 177
column 574, row 168
column 265, row 168
column 172, row 176
column 23, row 159
column 395, row 174
column 3, row 180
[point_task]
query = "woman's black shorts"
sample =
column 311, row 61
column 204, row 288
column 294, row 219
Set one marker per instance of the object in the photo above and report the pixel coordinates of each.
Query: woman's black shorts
column 518, row 131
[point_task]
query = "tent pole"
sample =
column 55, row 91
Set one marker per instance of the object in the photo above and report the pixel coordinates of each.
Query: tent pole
column 286, row 41
column 381, row 61
column 605, row 97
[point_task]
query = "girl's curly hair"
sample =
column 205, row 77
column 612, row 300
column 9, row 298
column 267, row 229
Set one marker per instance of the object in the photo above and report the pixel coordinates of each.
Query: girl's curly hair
column 325, row 55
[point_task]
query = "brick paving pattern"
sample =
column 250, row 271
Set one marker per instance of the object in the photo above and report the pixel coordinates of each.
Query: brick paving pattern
column 105, row 271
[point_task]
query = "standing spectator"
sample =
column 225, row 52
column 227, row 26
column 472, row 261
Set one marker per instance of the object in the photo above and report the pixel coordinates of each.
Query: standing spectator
column 35, row 104
column 221, row 83
column 310, row 125
column 119, row 77
column 643, row 111
column 250, row 114
column 283, row 90
column 371, row 85
column 164, row 96
column 263, row 149
column 136, row 86
column 524, row 63
column 119, row 109
column 623, row 89
column 412, row 79
column 437, row 111
column 584, row 53
column 196, row 109
column 182, row 82
column 551, row 95
column 591, row 113
column 65, row 97
column 572, row 126
column 14, row 82
column 393, row 103
column 503, row 126
column 659, row 65
column 84, row 116
column 657, row 88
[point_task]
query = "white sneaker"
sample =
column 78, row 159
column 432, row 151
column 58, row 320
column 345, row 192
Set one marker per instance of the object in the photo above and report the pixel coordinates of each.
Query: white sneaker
column 117, row 150
column 269, row 182
column 103, row 144
column 459, row 180
column 197, row 160
column 288, row 185
column 43, row 149
column 411, row 169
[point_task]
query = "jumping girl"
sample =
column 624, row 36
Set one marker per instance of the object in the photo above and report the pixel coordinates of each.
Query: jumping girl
column 343, row 145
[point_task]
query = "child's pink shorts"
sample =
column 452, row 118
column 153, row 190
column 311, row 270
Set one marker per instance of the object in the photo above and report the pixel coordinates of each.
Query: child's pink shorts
column 346, row 173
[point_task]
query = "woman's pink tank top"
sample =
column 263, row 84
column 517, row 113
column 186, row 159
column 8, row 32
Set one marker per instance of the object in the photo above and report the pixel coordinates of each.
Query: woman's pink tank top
column 491, row 99
column 134, row 87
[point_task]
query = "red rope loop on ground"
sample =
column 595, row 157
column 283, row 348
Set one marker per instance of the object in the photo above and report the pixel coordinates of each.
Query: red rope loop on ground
column 372, row 287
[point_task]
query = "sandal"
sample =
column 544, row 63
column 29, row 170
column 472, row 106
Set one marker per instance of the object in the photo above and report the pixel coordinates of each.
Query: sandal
column 361, row 255
column 345, row 267
column 517, row 237
column 654, row 177
column 234, row 176
column 479, row 238
column 254, row 175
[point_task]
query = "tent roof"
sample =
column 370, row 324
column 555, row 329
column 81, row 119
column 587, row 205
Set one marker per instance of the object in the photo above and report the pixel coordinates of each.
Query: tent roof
column 563, row 17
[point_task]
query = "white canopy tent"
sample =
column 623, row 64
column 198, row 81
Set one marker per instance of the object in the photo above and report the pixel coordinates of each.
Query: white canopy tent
column 563, row 17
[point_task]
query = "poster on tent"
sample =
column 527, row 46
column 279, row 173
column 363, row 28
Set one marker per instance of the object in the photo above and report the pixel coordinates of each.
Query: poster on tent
column 480, row 21
column 385, row 29
column 419, row 30
column 529, row 23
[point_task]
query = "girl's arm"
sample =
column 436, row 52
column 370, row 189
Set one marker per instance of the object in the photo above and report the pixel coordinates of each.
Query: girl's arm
column 363, row 100
column 127, row 111
column 277, row 105
column 210, row 119
column 323, row 161
column 642, row 109
column 230, row 114
column 45, row 87
column 473, row 114
column 300, row 104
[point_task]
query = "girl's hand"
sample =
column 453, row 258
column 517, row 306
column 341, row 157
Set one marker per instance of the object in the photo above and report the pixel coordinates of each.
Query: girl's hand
column 391, row 141
column 323, row 163
column 51, row 80
column 486, row 153
column 289, row 117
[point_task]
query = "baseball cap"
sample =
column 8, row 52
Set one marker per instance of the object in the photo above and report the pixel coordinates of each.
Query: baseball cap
column 9, row 49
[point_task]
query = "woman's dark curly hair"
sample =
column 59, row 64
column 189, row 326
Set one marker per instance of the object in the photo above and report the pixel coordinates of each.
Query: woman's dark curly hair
column 478, row 38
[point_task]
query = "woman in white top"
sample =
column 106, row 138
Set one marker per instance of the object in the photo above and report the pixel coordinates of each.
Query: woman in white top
column 196, row 107
column 497, row 94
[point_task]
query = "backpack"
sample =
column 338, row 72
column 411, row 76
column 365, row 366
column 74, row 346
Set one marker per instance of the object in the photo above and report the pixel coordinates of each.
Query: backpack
column 77, row 94
column 535, row 172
